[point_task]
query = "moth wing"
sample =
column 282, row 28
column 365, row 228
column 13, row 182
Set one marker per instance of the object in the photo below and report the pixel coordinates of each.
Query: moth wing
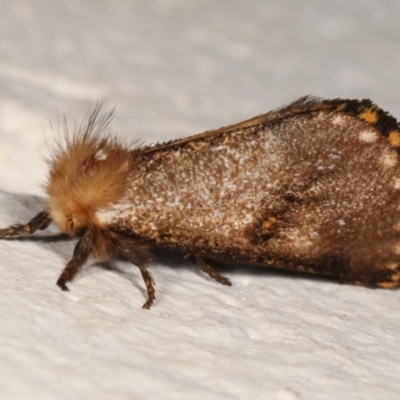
column 302, row 105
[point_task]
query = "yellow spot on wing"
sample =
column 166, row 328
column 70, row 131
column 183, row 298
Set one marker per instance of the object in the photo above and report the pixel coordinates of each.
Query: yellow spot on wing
column 394, row 138
column 392, row 284
column 369, row 116
column 388, row 285
column 268, row 223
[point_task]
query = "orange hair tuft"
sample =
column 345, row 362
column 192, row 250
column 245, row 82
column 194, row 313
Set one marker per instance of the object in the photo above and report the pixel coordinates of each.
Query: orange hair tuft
column 88, row 171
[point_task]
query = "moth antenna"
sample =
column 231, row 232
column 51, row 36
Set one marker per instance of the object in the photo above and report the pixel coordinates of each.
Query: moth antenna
column 40, row 221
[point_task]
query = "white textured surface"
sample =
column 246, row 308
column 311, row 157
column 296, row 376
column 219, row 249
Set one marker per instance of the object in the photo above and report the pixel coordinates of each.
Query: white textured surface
column 175, row 68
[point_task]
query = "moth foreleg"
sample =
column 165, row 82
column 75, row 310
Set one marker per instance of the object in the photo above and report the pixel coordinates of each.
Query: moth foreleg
column 40, row 221
column 206, row 265
column 81, row 254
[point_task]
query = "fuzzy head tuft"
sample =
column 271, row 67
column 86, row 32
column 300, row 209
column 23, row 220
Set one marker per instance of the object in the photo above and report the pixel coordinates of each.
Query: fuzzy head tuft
column 88, row 171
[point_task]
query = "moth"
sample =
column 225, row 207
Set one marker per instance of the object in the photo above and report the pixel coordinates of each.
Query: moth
column 311, row 187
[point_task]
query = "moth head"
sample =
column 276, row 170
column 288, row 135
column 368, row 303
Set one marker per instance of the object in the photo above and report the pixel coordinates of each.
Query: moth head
column 88, row 172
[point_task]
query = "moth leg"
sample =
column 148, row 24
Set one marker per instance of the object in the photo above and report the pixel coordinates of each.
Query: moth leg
column 138, row 254
column 149, row 282
column 81, row 254
column 206, row 265
column 40, row 221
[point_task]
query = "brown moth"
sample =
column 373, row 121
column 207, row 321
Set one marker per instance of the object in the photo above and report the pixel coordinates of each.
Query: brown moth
column 311, row 187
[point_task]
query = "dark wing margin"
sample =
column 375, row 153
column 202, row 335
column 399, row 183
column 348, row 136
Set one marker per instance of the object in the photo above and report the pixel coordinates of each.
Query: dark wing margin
column 363, row 109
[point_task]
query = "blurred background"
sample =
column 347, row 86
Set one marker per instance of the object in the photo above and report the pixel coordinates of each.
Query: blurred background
column 174, row 68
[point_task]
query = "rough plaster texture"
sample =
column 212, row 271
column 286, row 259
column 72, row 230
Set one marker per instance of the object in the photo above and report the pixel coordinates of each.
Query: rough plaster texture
column 175, row 68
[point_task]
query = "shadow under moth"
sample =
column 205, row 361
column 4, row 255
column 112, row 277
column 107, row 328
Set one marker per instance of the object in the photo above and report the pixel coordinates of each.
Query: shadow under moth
column 311, row 187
